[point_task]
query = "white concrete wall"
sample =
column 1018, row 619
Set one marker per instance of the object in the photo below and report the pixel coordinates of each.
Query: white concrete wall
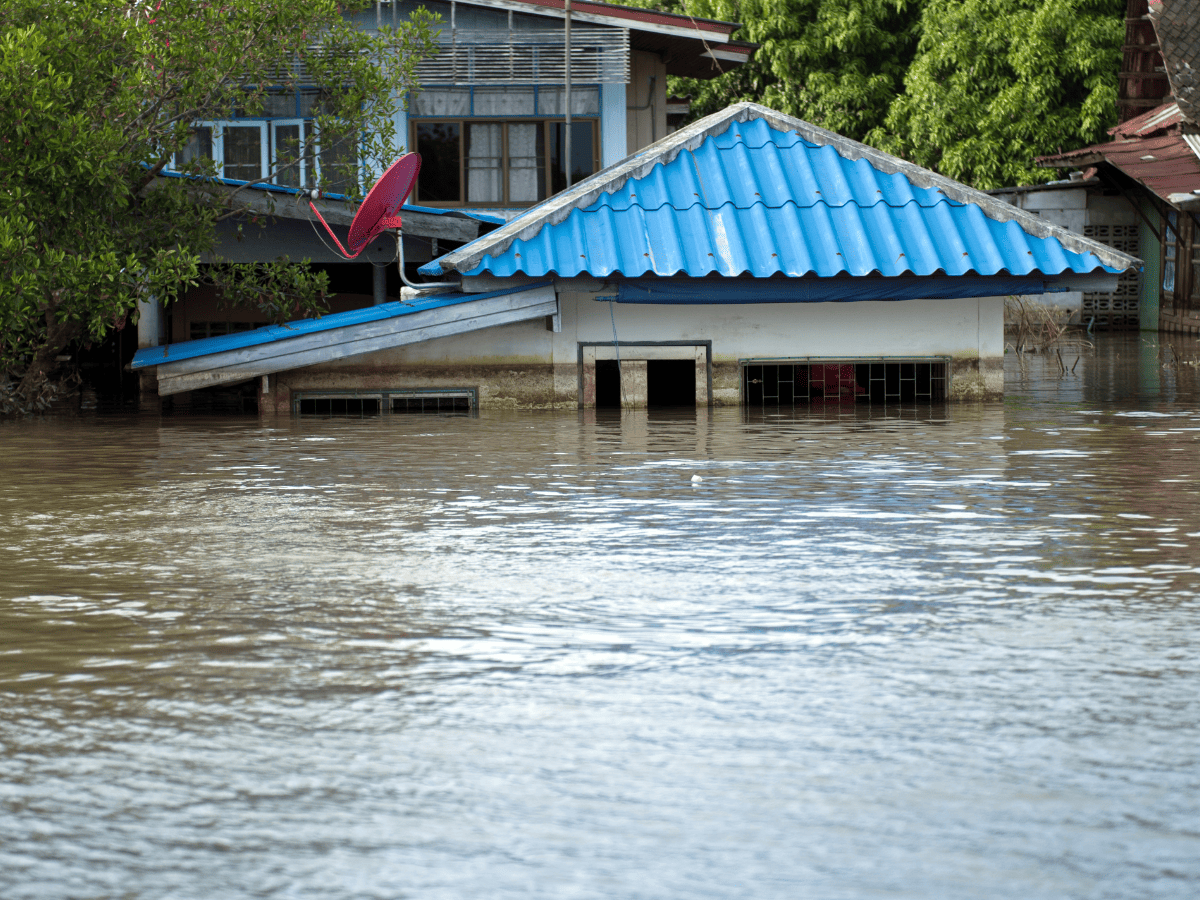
column 960, row 328
column 970, row 332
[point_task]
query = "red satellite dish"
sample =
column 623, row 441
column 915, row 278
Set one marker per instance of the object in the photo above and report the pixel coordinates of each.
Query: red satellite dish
column 379, row 208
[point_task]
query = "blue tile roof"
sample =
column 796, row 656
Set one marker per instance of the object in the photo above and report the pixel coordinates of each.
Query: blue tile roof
column 753, row 192
column 168, row 353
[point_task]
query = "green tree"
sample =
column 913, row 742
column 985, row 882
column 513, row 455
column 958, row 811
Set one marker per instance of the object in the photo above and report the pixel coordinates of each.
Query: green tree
column 97, row 96
column 835, row 63
column 996, row 83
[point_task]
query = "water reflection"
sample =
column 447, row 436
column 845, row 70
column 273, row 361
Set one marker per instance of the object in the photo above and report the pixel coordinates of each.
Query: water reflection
column 933, row 652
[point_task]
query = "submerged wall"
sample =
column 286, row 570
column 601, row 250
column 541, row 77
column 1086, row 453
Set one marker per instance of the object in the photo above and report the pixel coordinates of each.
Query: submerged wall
column 528, row 365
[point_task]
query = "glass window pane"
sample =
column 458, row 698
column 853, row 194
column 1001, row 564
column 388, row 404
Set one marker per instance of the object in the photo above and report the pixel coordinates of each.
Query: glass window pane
column 441, row 102
column 243, row 152
column 585, row 101
column 484, row 158
column 583, row 162
column 198, row 146
column 504, row 101
column 439, row 146
column 310, row 103
column 280, row 105
column 338, row 157
column 526, row 162
column 285, row 155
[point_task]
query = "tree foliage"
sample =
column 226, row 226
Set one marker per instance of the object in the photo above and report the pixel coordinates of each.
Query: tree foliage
column 996, row 83
column 975, row 89
column 835, row 63
column 96, row 96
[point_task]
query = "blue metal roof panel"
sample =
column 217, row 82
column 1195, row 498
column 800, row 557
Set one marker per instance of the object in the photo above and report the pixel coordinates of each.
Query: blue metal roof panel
column 755, row 199
column 789, row 240
column 155, row 356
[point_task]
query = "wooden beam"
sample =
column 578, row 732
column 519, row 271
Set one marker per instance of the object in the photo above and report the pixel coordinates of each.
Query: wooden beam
column 1075, row 162
column 1146, row 102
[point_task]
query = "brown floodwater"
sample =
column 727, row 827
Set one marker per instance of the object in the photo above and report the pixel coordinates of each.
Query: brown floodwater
column 925, row 652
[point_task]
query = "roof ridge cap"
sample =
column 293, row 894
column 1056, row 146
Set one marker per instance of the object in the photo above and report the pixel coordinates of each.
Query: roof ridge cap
column 558, row 208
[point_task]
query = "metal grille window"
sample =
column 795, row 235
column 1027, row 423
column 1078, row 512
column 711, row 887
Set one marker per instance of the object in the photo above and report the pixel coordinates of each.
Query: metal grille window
column 791, row 383
column 359, row 404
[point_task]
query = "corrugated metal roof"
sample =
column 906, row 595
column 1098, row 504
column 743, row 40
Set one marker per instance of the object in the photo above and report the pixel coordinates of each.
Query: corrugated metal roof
column 1158, row 119
column 170, row 353
column 1165, row 164
column 751, row 191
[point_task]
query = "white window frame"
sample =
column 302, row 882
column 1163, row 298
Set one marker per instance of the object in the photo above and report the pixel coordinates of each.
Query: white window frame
column 266, row 128
column 302, row 171
column 264, row 148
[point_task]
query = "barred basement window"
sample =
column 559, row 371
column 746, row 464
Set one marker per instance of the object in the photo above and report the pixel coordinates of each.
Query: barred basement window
column 360, row 404
column 791, row 383
column 356, row 407
column 461, row 402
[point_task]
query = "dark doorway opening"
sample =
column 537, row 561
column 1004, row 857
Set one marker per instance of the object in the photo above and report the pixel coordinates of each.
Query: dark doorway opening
column 608, row 384
column 671, row 382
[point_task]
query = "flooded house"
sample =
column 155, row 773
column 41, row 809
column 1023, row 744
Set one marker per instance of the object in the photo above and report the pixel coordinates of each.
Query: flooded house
column 491, row 121
column 748, row 258
column 1140, row 191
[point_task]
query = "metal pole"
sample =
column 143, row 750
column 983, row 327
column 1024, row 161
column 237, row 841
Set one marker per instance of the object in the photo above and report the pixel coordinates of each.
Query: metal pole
column 378, row 284
column 567, row 92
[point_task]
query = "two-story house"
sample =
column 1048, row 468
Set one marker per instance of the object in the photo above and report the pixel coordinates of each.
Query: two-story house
column 490, row 122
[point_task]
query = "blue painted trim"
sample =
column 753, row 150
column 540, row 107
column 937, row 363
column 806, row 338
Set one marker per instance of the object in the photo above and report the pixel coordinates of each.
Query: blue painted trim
column 823, row 290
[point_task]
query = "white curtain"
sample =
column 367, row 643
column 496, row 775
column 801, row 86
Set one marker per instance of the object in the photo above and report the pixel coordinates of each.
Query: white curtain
column 441, row 102
column 504, row 101
column 524, row 166
column 484, row 158
column 585, row 101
